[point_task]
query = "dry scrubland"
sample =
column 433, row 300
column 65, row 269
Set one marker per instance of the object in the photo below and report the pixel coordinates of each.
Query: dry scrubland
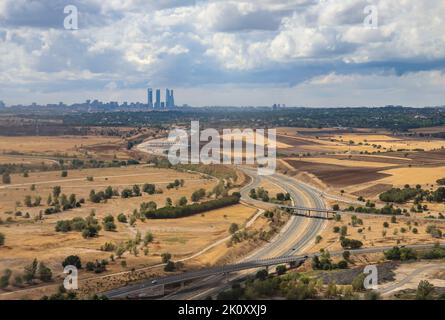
column 71, row 145
column 363, row 162
column 359, row 163
column 373, row 233
column 26, row 239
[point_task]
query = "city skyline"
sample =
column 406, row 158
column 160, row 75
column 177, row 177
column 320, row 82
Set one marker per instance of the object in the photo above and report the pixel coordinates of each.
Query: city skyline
column 168, row 103
column 300, row 52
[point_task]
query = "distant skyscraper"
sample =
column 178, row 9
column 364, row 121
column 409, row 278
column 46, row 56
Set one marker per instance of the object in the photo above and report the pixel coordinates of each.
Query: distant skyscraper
column 158, row 99
column 167, row 98
column 172, row 99
column 150, row 97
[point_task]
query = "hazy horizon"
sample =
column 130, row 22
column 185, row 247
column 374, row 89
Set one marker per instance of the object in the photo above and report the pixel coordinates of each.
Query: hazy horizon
column 235, row 53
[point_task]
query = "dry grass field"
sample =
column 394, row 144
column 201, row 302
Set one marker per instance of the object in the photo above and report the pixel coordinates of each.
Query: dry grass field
column 361, row 162
column 358, row 162
column 26, row 239
column 52, row 145
column 25, row 160
column 373, row 234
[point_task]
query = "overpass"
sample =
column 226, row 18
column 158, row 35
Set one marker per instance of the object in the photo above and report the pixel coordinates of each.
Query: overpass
column 136, row 289
column 193, row 275
column 311, row 212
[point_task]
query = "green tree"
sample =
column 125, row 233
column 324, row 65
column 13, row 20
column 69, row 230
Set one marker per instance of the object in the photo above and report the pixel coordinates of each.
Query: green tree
column 37, row 201
column 28, row 201
column 4, row 279
column 182, row 201
column 49, row 200
column 72, row 261
column 57, row 190
column 169, row 266
column 168, row 202
column 108, row 192
column 120, row 250
column 109, row 224
column 136, row 191
column 30, row 271
column 233, row 228
column 122, row 218
column 198, row 195
column 262, row 274
column 424, row 290
column 166, row 257
column 149, row 188
column 2, row 239
column 44, row 273
column 148, row 238
column 358, row 282
column 281, row 269
column 6, row 178
column 372, row 295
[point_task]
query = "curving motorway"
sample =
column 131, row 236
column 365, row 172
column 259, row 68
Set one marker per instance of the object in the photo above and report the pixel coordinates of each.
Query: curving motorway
column 296, row 235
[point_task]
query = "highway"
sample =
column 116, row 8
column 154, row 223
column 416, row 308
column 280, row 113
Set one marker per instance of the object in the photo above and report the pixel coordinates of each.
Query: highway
column 295, row 236
column 136, row 289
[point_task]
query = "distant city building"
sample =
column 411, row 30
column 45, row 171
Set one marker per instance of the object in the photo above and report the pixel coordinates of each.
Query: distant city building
column 172, row 99
column 150, row 97
column 158, row 99
column 167, row 98
column 278, row 106
column 2, row 104
column 169, row 102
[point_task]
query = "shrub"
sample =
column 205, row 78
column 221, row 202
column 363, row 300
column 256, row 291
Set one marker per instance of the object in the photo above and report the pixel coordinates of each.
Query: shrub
column 343, row 264
column 424, row 290
column 44, row 273
column 108, row 247
column 122, row 218
column 109, row 224
column 233, row 228
column 169, row 267
column 148, row 238
column 188, row 210
column 72, row 261
column 434, row 231
column 281, row 269
column 351, row 243
column 166, row 257
column 398, row 195
column 198, row 195
column 402, row 254
column 6, row 178
column 435, row 253
column 2, row 239
column 149, row 188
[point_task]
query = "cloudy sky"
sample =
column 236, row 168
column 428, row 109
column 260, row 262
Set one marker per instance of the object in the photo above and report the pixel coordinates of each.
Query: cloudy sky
column 245, row 52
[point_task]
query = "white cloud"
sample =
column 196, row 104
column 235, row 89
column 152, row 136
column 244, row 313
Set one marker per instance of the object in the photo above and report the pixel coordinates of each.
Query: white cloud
column 189, row 43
